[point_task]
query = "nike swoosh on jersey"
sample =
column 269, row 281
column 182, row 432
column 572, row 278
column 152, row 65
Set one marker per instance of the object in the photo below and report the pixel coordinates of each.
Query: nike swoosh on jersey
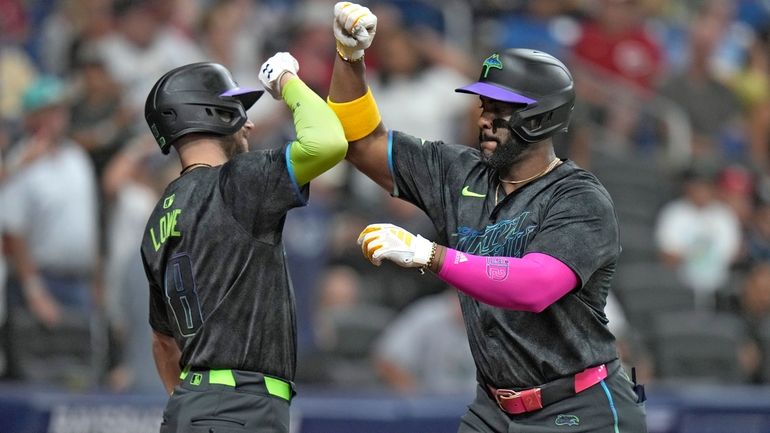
column 468, row 193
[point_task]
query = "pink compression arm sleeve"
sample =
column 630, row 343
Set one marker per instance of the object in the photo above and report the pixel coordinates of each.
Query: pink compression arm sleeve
column 530, row 283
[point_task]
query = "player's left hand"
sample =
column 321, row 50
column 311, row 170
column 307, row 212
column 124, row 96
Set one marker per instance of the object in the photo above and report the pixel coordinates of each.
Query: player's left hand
column 388, row 241
column 271, row 71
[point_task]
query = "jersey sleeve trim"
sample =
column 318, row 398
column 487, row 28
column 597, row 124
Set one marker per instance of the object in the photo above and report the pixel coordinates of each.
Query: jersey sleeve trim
column 292, row 175
column 394, row 193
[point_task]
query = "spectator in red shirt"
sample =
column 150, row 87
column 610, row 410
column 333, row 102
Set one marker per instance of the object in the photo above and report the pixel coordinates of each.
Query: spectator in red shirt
column 617, row 42
column 615, row 64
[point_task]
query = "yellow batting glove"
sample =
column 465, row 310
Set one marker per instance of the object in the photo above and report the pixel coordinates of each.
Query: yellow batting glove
column 388, row 241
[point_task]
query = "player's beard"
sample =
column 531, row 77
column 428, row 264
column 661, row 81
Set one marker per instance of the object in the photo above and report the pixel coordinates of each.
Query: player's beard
column 505, row 153
column 234, row 144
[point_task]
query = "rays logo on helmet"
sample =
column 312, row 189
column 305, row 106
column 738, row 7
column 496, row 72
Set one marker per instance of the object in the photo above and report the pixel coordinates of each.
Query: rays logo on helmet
column 492, row 61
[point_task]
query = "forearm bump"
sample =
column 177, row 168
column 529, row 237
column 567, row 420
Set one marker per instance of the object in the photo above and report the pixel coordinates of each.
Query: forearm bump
column 321, row 142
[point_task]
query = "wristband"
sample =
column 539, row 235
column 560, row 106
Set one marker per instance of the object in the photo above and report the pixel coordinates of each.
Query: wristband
column 359, row 117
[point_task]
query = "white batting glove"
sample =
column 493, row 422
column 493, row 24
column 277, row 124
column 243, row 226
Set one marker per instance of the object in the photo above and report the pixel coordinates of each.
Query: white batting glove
column 354, row 29
column 271, row 71
column 387, row 241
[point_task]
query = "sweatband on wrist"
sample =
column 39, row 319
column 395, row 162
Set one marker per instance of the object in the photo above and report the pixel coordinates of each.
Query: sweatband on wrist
column 359, row 117
column 530, row 283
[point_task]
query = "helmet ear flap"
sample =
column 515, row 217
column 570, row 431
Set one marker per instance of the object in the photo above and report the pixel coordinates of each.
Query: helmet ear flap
column 544, row 118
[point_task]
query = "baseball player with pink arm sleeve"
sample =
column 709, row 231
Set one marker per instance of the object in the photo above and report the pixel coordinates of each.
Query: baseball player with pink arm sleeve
column 529, row 240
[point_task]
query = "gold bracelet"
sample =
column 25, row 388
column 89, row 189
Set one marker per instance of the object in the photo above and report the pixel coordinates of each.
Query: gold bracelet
column 342, row 56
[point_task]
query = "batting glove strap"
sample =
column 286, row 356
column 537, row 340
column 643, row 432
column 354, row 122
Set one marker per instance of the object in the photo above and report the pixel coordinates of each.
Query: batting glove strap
column 387, row 241
column 423, row 251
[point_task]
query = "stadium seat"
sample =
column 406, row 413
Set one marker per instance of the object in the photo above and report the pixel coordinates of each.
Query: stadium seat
column 637, row 239
column 62, row 356
column 347, row 361
column 698, row 346
column 357, row 328
column 645, row 289
column 642, row 275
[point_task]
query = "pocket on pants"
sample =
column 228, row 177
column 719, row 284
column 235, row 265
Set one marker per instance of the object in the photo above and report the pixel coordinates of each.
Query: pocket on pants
column 217, row 425
column 217, row 421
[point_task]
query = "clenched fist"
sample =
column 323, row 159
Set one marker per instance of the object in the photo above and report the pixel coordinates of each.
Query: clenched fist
column 354, row 29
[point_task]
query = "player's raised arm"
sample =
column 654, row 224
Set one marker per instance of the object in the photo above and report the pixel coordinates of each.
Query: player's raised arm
column 320, row 142
column 350, row 97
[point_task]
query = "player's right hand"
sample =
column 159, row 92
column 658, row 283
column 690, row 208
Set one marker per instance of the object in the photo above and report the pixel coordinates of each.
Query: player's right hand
column 391, row 242
column 271, row 71
column 354, row 29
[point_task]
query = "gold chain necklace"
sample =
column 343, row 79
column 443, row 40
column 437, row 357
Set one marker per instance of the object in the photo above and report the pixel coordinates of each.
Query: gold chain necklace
column 550, row 167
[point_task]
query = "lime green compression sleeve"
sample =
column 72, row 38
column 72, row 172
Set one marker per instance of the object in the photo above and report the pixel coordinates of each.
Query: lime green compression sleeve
column 320, row 142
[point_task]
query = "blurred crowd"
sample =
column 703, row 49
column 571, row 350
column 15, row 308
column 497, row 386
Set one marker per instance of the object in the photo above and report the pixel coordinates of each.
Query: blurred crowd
column 673, row 115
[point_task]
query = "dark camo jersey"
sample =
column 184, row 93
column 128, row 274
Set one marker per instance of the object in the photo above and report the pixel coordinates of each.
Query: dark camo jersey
column 213, row 254
column 567, row 214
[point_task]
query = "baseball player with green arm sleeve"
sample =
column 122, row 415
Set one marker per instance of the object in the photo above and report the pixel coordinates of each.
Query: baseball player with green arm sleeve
column 529, row 240
column 221, row 301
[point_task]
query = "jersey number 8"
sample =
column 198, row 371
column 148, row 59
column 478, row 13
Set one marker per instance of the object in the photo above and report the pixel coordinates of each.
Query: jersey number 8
column 182, row 296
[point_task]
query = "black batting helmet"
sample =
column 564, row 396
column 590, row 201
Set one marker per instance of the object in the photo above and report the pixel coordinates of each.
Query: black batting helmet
column 200, row 97
column 535, row 79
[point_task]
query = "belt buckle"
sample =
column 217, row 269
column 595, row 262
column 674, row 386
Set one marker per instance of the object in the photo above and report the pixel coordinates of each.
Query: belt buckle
column 517, row 402
column 502, row 395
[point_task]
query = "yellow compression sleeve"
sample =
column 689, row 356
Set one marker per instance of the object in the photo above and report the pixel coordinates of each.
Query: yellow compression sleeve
column 320, row 142
column 359, row 117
